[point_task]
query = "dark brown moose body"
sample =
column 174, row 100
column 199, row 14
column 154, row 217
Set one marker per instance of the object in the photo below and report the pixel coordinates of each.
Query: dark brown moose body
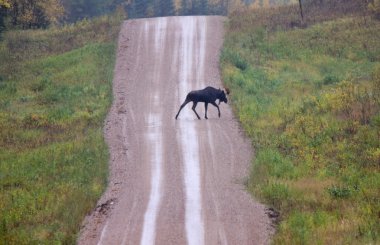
column 206, row 95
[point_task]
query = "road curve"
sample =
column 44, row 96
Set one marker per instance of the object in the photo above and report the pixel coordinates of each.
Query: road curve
column 173, row 181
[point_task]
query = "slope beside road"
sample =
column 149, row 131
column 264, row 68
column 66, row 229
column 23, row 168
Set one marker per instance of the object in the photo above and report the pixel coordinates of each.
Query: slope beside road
column 173, row 181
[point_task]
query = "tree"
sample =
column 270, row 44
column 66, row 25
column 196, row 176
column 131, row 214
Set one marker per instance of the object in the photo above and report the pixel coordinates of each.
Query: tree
column 81, row 9
column 35, row 13
column 141, row 8
column 184, row 7
column 194, row 7
column 374, row 7
column 4, row 4
column 300, row 3
column 204, row 7
column 166, row 8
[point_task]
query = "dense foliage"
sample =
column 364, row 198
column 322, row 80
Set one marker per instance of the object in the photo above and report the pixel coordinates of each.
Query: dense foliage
column 32, row 14
column 55, row 89
column 308, row 94
column 28, row 14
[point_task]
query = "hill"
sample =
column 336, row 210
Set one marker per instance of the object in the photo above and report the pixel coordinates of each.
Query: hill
column 55, row 89
column 307, row 93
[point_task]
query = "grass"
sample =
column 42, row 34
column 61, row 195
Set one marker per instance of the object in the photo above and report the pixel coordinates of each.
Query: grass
column 55, row 90
column 309, row 99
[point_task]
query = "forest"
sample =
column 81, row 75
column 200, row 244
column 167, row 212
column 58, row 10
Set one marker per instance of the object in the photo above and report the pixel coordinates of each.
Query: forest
column 32, row 14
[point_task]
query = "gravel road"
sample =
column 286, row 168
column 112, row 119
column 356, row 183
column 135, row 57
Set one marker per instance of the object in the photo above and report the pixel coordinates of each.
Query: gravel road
column 173, row 181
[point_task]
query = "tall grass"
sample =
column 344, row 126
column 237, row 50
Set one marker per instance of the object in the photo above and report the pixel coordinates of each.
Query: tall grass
column 309, row 99
column 55, row 89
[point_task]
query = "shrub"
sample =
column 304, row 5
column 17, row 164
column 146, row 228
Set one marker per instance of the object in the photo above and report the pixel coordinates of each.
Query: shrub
column 339, row 192
column 330, row 79
column 276, row 194
column 277, row 165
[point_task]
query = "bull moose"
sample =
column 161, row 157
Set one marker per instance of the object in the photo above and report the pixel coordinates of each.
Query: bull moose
column 206, row 95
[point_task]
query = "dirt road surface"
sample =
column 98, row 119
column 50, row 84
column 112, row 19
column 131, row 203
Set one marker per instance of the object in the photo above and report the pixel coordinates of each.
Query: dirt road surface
column 173, row 181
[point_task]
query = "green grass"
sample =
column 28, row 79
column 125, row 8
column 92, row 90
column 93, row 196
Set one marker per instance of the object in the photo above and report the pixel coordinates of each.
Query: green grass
column 53, row 158
column 309, row 99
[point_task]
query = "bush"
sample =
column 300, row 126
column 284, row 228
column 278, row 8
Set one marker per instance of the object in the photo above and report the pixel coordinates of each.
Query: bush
column 330, row 79
column 339, row 192
column 276, row 194
column 277, row 165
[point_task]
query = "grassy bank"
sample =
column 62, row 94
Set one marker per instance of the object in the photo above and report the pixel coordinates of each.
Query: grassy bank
column 55, row 89
column 309, row 98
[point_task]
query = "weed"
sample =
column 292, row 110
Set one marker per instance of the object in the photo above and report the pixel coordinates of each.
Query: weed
column 277, row 194
column 339, row 192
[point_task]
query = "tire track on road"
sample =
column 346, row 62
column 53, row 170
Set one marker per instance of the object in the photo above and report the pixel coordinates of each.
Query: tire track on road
column 155, row 142
column 189, row 138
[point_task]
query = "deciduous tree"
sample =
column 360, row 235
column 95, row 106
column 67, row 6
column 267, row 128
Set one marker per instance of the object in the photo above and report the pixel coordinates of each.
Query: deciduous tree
column 301, row 11
column 374, row 7
column 4, row 4
column 35, row 13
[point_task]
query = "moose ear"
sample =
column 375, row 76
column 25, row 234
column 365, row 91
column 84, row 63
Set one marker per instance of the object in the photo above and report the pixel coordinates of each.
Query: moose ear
column 227, row 90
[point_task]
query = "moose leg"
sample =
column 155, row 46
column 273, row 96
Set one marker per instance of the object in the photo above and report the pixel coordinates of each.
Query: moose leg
column 194, row 105
column 182, row 106
column 214, row 104
column 206, row 104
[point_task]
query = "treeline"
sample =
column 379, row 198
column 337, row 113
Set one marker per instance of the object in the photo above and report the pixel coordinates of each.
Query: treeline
column 32, row 14
column 156, row 8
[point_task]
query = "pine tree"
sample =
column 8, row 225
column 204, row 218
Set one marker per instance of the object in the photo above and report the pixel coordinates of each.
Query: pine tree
column 203, row 7
column 141, row 8
column 131, row 10
column 167, row 7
